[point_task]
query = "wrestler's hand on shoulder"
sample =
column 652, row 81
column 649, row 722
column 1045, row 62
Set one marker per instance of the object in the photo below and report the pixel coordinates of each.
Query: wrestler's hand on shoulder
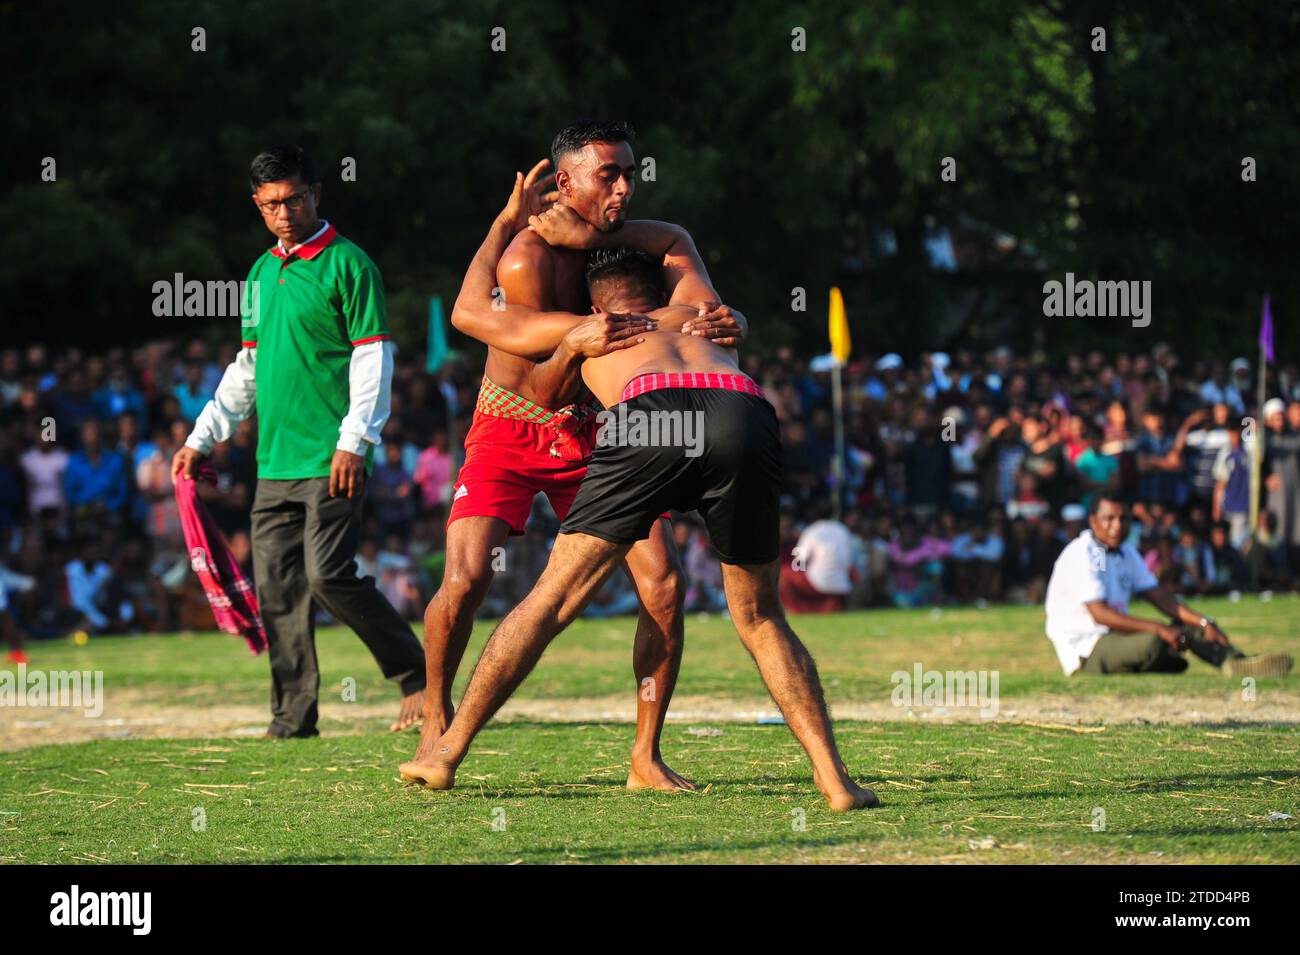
column 561, row 226
column 605, row 332
column 717, row 323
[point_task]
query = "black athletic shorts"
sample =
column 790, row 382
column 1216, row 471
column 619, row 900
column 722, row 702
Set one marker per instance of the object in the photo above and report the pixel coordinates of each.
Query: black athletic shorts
column 710, row 450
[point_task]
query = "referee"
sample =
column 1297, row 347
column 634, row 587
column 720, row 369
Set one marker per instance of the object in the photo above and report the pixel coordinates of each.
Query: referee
column 316, row 365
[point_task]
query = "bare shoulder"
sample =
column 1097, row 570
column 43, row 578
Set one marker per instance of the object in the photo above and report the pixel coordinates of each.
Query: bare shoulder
column 527, row 250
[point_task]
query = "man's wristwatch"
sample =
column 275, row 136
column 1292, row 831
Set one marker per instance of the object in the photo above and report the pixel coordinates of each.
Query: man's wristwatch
column 1207, row 622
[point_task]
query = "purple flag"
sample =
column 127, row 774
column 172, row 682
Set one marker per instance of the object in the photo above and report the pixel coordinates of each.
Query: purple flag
column 1266, row 331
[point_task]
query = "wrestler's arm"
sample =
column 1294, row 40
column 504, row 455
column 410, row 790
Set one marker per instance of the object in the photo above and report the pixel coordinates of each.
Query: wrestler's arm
column 496, row 317
column 527, row 277
column 685, row 276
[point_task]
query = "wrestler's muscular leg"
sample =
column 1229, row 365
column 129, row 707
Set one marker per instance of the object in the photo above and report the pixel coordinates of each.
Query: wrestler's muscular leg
column 791, row 677
column 579, row 565
column 449, row 618
column 657, row 654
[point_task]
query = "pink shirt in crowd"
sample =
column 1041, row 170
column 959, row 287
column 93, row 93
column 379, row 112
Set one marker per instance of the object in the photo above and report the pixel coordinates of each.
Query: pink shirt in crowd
column 433, row 474
column 906, row 561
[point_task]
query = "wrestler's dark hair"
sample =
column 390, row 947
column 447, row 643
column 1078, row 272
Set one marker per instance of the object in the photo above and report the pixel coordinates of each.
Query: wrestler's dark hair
column 573, row 137
column 282, row 162
column 635, row 272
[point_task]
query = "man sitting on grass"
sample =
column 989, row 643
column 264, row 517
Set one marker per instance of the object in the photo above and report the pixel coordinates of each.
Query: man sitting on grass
column 1087, row 611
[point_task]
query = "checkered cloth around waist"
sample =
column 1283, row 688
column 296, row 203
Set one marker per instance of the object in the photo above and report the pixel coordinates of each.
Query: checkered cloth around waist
column 565, row 422
column 655, row 380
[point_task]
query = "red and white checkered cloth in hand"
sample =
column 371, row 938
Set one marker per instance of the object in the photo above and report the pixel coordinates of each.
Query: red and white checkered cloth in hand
column 228, row 589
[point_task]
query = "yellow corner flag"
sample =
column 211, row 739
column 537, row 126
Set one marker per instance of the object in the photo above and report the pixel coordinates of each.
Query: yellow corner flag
column 841, row 343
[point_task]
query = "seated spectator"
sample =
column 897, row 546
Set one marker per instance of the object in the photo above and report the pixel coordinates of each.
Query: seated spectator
column 119, row 396
column 826, row 561
column 192, row 394
column 1229, row 568
column 616, row 599
column 95, row 482
column 700, row 563
column 1195, row 563
column 1268, row 548
column 1088, row 619
column 1028, row 504
column 392, row 492
column 878, row 544
column 88, row 579
column 916, row 565
column 45, row 465
column 433, row 472
column 977, row 559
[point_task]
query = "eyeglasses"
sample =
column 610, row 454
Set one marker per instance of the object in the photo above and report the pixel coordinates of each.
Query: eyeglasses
column 295, row 202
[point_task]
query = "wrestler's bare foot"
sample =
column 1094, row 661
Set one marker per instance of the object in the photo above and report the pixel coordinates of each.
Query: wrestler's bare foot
column 435, row 724
column 435, row 771
column 410, row 712
column 652, row 773
column 843, row 794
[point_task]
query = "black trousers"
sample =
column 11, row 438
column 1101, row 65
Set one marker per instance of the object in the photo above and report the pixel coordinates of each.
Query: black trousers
column 304, row 554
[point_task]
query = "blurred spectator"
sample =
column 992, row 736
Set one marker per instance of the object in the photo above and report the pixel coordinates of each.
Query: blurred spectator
column 977, row 555
column 1098, row 471
column 433, row 472
column 916, row 566
column 945, row 454
column 192, row 393
column 95, row 482
column 704, row 591
column 392, row 492
column 119, row 396
column 1206, row 434
column 45, row 464
column 825, row 563
column 1281, row 474
column 88, row 579
column 1232, row 488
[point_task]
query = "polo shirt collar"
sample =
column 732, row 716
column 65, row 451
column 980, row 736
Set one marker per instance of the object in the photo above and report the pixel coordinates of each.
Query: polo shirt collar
column 309, row 248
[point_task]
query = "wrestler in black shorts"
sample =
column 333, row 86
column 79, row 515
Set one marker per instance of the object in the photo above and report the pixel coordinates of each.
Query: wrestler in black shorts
column 730, row 472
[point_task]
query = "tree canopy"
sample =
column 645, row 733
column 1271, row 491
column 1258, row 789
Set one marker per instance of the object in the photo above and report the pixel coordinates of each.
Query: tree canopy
column 792, row 168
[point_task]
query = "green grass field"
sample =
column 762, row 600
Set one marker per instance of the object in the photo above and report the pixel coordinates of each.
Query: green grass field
column 1169, row 769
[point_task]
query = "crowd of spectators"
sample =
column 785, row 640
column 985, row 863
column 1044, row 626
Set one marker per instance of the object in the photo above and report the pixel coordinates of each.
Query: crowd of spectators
column 964, row 476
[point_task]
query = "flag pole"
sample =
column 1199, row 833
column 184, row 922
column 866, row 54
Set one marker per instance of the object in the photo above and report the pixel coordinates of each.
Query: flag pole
column 837, row 466
column 841, row 348
column 1257, row 444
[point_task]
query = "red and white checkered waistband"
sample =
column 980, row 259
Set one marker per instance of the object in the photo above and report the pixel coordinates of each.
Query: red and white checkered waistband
column 653, row 381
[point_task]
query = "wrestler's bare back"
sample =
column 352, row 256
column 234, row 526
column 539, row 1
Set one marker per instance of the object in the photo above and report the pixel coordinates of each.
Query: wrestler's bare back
column 662, row 351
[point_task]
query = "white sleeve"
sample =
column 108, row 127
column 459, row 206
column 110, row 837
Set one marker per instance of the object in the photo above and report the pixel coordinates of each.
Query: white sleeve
column 1091, row 585
column 370, row 388
column 234, row 401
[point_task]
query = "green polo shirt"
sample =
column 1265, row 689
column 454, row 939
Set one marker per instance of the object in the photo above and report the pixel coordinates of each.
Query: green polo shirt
column 311, row 309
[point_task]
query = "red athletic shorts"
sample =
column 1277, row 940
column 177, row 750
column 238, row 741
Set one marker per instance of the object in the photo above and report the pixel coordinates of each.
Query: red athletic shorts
column 508, row 462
